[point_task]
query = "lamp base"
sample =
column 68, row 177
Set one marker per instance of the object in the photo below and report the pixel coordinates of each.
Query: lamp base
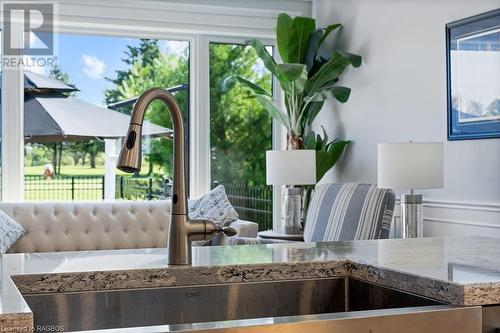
column 292, row 214
column 412, row 218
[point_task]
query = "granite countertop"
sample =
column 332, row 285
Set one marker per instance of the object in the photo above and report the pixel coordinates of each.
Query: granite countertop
column 460, row 271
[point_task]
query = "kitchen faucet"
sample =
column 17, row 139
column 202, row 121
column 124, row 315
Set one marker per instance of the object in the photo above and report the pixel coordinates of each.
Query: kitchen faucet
column 182, row 230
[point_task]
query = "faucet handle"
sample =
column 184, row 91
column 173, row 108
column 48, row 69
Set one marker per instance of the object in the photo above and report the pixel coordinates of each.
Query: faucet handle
column 227, row 231
column 207, row 229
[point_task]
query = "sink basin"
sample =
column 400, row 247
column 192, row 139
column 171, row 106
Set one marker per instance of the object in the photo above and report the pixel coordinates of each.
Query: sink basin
column 230, row 305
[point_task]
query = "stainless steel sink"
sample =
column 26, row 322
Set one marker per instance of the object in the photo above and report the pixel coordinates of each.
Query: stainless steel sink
column 323, row 304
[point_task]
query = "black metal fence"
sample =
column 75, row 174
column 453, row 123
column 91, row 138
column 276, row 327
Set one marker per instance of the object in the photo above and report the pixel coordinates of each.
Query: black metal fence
column 82, row 188
column 149, row 188
column 253, row 203
column 78, row 188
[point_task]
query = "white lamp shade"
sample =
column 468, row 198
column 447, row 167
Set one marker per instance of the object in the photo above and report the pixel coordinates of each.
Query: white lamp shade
column 410, row 165
column 291, row 167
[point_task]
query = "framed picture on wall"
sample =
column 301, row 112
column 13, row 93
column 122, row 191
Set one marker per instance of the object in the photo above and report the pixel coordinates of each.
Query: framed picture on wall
column 473, row 77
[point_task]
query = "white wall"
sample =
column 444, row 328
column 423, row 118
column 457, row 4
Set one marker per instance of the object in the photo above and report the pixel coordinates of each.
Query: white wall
column 399, row 94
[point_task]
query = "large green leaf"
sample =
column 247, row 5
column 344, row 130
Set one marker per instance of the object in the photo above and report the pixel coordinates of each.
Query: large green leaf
column 270, row 64
column 328, row 72
column 281, row 117
column 228, row 82
column 317, row 64
column 310, row 140
column 324, row 142
column 336, row 148
column 291, row 71
column 302, row 28
column 317, row 38
column 325, row 160
column 340, row 93
column 312, row 111
column 323, row 163
column 319, row 142
column 266, row 58
column 283, row 35
column 354, row 59
column 295, row 74
column 313, row 47
column 331, row 70
column 328, row 30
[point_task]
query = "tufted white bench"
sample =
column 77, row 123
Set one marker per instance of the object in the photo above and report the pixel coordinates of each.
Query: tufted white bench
column 79, row 226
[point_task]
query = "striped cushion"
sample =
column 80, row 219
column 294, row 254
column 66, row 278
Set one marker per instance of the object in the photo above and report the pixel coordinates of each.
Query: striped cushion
column 349, row 212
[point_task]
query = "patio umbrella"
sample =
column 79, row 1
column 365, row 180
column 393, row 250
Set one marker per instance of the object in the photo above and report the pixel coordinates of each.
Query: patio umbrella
column 55, row 118
column 50, row 116
column 36, row 83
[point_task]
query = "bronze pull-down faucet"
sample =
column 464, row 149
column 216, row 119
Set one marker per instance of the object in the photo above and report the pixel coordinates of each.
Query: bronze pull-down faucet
column 182, row 230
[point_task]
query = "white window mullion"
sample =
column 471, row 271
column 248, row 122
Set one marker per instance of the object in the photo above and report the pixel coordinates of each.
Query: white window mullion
column 13, row 124
column 279, row 142
column 199, row 117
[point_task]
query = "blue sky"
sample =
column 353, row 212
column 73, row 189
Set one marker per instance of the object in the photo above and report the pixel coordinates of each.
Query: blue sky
column 89, row 59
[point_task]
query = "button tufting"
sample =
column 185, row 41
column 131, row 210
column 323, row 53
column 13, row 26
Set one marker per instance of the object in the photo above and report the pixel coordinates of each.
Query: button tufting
column 72, row 219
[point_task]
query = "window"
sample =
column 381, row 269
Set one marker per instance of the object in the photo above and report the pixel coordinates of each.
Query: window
column 108, row 73
column 240, row 132
column 186, row 22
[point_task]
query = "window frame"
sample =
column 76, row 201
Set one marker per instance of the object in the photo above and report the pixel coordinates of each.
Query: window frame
column 142, row 20
column 278, row 132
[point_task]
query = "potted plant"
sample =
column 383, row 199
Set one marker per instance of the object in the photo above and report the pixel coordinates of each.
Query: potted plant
column 307, row 80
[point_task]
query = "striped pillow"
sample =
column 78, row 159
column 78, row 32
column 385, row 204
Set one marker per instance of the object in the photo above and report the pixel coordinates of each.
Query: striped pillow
column 349, row 212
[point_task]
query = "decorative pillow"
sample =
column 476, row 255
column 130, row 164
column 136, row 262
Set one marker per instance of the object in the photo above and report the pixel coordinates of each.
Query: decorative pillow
column 10, row 232
column 213, row 206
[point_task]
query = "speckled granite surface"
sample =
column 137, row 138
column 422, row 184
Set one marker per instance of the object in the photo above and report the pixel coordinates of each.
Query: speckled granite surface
column 461, row 271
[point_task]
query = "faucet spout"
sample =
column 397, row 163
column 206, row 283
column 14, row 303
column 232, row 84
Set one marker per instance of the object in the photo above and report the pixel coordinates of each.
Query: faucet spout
column 182, row 231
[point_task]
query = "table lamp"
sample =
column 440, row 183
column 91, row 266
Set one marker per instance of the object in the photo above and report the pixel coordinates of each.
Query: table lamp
column 410, row 166
column 291, row 167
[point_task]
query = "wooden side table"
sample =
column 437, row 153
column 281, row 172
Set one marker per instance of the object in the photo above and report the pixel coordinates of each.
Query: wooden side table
column 270, row 234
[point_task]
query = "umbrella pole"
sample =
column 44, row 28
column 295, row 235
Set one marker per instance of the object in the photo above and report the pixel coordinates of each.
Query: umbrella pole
column 54, row 158
column 59, row 158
